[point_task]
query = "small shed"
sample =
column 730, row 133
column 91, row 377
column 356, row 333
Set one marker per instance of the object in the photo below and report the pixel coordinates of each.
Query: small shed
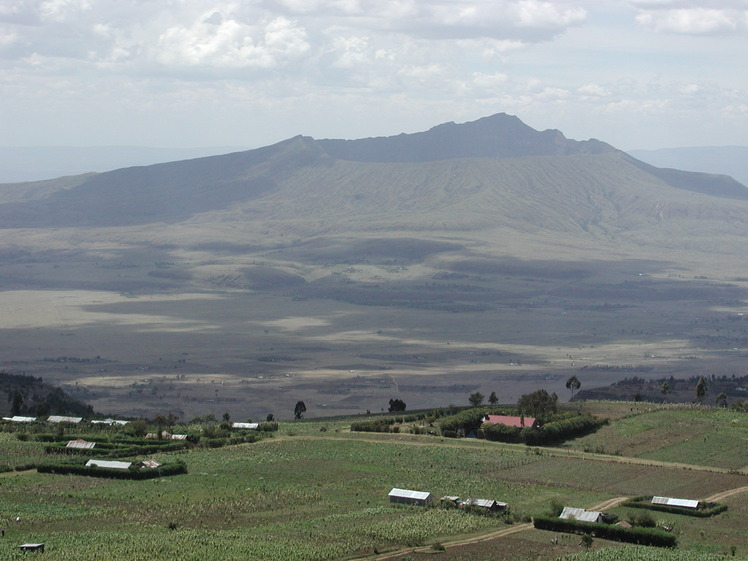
column 571, row 513
column 669, row 501
column 32, row 547
column 154, row 435
column 453, row 499
column 110, row 464
column 409, row 497
column 488, row 504
column 63, row 419
column 251, row 426
column 179, row 437
column 80, row 444
column 149, row 464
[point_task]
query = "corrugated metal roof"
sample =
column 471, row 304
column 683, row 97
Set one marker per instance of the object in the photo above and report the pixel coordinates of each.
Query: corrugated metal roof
column 485, row 503
column 409, row 494
column 253, row 426
column 20, row 419
column 571, row 513
column 108, row 464
column 62, row 419
column 669, row 501
column 518, row 422
column 150, row 463
column 80, row 443
column 179, row 437
column 109, row 422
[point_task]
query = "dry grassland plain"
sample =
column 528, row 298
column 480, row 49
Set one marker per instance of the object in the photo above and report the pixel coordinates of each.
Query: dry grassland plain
column 139, row 328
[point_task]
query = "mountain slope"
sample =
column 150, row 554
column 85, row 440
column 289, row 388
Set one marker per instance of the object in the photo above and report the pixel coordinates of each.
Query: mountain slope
column 729, row 160
column 494, row 170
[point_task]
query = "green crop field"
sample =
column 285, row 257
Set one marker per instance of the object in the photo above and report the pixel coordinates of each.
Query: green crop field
column 706, row 436
column 311, row 494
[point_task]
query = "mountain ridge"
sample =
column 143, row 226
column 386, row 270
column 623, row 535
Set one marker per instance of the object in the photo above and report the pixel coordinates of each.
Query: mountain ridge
column 288, row 179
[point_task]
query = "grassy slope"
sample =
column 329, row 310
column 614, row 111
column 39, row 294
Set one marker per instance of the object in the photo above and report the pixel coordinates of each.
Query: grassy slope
column 707, row 436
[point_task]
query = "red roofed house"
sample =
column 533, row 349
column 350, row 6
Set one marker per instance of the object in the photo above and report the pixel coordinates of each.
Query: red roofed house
column 519, row 422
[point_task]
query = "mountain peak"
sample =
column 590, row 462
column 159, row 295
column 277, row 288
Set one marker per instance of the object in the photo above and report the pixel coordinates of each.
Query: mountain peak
column 497, row 136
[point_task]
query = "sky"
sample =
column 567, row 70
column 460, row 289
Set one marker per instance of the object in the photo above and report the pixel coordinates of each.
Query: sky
column 184, row 73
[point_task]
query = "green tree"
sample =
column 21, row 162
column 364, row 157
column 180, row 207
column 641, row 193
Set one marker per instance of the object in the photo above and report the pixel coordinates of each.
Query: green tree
column 476, row 399
column 492, row 399
column 701, row 389
column 138, row 427
column 573, row 384
column 721, row 400
column 160, row 422
column 15, row 408
column 396, row 405
column 299, row 410
column 665, row 388
column 269, row 418
column 537, row 404
column 586, row 541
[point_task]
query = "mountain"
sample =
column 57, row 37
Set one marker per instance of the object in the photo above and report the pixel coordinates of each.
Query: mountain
column 34, row 163
column 448, row 167
column 729, row 160
column 482, row 256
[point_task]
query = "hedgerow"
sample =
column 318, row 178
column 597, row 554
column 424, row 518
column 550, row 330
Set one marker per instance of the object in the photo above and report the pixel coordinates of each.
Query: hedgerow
column 561, row 430
column 640, row 536
column 705, row 510
column 134, row 472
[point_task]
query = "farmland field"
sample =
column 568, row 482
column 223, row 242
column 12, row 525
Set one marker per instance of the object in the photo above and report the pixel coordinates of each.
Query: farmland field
column 319, row 496
column 707, row 436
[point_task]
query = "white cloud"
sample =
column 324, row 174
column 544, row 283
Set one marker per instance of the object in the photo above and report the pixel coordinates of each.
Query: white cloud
column 63, row 10
column 692, row 17
column 594, row 90
column 231, row 44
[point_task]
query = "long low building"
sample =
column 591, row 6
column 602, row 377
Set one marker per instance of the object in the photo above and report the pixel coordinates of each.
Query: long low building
column 489, row 504
column 571, row 513
column 80, row 444
column 409, row 497
column 64, row 419
column 108, row 464
column 20, row 419
column 669, row 501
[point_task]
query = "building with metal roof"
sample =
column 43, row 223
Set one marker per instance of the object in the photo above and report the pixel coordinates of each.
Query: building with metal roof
column 19, row 419
column 80, row 444
column 571, row 513
column 62, row 419
column 669, row 501
column 108, row 464
column 488, row 504
column 109, row 422
column 252, row 426
column 409, row 497
column 519, row 422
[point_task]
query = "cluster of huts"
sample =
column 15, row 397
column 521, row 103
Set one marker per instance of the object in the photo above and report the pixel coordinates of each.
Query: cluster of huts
column 424, row 498
column 582, row 515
